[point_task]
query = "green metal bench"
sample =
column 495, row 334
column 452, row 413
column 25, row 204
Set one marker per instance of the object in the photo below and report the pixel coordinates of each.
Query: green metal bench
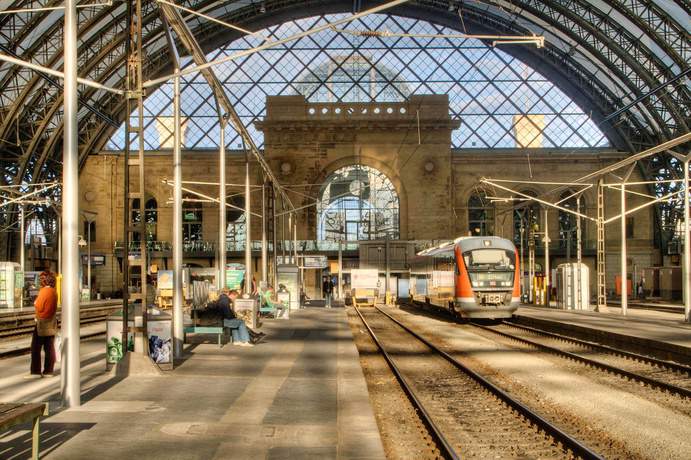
column 220, row 330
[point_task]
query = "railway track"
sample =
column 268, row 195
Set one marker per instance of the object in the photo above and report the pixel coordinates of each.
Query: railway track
column 23, row 324
column 663, row 375
column 466, row 414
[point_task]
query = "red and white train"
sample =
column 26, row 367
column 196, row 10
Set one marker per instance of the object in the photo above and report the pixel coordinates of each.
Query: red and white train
column 475, row 277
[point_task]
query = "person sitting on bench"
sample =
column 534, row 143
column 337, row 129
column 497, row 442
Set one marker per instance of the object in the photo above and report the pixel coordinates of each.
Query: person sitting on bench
column 276, row 306
column 242, row 335
column 237, row 326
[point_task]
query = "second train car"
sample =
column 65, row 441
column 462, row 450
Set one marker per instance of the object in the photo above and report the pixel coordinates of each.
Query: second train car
column 475, row 277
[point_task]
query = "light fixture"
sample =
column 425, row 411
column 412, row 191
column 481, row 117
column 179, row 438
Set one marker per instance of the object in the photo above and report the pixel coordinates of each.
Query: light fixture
column 82, row 242
column 262, row 8
column 451, row 6
column 429, row 166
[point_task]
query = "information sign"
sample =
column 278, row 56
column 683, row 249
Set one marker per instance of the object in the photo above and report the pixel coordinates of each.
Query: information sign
column 315, row 262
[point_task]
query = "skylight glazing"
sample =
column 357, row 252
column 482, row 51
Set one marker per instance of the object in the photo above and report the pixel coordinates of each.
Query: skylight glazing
column 501, row 102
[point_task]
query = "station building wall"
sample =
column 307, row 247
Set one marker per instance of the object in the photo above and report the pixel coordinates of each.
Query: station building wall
column 411, row 145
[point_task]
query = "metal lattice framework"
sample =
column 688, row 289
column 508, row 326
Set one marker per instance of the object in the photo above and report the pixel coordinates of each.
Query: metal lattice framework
column 626, row 62
column 495, row 95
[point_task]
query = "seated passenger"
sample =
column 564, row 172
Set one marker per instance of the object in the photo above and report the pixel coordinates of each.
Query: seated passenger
column 267, row 299
column 242, row 335
column 237, row 327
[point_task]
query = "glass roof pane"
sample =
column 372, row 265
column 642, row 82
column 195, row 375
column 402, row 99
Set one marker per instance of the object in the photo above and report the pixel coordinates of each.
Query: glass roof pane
column 495, row 95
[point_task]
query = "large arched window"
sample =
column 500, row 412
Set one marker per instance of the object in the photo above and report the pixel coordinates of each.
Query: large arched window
column 480, row 215
column 357, row 203
column 526, row 216
column 235, row 224
column 191, row 219
column 503, row 102
column 567, row 221
column 150, row 216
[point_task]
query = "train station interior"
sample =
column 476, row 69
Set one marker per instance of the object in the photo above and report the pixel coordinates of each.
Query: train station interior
column 288, row 229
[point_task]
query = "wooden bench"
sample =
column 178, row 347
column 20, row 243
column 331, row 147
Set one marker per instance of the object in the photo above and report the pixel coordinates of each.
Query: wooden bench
column 12, row 414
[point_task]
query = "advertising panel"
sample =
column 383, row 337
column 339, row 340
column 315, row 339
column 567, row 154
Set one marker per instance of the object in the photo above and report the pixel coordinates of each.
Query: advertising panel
column 234, row 276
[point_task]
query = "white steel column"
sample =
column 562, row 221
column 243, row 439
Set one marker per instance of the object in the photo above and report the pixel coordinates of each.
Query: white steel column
column 248, row 228
column 88, row 257
column 295, row 239
column 69, row 382
column 340, row 269
column 579, row 236
column 687, row 246
column 623, row 284
column 178, row 327
column 274, row 239
column 546, row 268
column 222, row 205
column 22, row 233
column 387, row 276
column 265, row 249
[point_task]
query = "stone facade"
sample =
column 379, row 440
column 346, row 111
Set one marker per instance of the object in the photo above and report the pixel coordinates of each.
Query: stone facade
column 409, row 142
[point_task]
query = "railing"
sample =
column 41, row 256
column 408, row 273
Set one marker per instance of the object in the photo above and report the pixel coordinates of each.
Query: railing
column 209, row 247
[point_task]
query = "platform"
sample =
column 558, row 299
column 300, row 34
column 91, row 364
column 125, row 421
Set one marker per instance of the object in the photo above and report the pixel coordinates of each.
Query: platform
column 660, row 334
column 298, row 394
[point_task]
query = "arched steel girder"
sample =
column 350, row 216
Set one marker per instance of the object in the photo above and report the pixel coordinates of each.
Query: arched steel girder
column 318, row 7
column 634, row 58
column 55, row 31
column 535, row 58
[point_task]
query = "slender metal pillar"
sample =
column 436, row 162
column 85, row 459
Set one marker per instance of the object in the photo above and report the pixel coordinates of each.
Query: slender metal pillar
column 522, row 269
column 295, row 239
column 547, row 273
column 69, row 382
column 222, row 205
column 265, row 249
column 178, row 327
column 88, row 257
column 623, row 284
column 248, row 227
column 387, row 276
column 290, row 237
column 22, row 236
column 340, row 269
column 687, row 246
column 579, row 235
column 275, row 240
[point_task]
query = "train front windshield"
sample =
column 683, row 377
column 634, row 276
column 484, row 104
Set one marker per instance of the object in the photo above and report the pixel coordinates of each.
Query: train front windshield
column 490, row 268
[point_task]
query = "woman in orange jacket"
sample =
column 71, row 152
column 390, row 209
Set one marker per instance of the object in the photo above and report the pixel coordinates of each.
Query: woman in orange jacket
column 46, row 327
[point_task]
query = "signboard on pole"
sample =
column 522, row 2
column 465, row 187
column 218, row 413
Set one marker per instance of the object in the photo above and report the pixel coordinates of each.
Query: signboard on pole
column 315, row 262
column 364, row 278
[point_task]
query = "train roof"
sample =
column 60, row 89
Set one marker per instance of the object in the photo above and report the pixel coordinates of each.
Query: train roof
column 467, row 243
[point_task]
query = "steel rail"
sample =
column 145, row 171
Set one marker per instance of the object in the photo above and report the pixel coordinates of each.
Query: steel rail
column 649, row 359
column 569, row 442
column 442, row 443
column 591, row 362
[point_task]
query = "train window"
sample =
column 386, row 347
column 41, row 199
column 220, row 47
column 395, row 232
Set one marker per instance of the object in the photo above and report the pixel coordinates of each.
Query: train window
column 489, row 259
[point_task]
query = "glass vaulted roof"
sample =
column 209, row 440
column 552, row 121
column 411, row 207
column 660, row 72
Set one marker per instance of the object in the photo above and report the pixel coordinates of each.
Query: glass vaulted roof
column 495, row 95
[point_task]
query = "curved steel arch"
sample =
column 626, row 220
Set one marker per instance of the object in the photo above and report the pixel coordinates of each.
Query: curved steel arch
column 618, row 52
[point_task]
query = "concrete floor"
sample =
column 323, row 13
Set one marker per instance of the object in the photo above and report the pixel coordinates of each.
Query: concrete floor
column 299, row 394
